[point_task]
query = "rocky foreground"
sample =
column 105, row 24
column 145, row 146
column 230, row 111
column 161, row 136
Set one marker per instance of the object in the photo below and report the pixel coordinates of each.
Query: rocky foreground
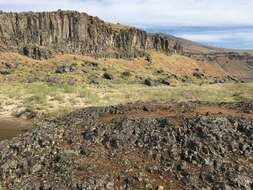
column 136, row 146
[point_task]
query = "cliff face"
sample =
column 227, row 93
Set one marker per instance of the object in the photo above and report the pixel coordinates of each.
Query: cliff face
column 40, row 35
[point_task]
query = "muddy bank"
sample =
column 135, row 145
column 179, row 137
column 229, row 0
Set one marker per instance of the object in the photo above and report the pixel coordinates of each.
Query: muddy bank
column 11, row 127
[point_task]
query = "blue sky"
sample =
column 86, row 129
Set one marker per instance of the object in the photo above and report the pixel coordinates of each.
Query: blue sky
column 213, row 22
column 237, row 37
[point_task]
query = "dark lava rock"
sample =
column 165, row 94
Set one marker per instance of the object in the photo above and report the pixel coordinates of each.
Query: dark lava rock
column 108, row 76
column 136, row 146
column 89, row 63
column 165, row 82
column 36, row 52
column 160, row 71
column 150, row 82
column 198, row 74
column 5, row 71
column 10, row 65
column 6, row 68
column 93, row 79
column 232, row 78
column 65, row 69
column 53, row 80
column 126, row 73
column 149, row 58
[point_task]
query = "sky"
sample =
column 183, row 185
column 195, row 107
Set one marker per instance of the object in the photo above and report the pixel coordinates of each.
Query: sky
column 235, row 37
column 213, row 22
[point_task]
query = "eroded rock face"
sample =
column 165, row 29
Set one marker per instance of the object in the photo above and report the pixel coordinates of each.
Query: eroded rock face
column 137, row 146
column 38, row 35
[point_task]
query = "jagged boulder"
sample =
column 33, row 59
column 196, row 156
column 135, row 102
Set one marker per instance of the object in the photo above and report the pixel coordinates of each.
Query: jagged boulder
column 5, row 71
column 89, row 63
column 165, row 82
column 36, row 52
column 150, row 82
column 108, row 76
column 65, row 69
column 6, row 68
column 126, row 73
column 198, row 74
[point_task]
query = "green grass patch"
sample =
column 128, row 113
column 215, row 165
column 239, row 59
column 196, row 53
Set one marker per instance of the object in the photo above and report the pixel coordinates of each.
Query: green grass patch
column 56, row 100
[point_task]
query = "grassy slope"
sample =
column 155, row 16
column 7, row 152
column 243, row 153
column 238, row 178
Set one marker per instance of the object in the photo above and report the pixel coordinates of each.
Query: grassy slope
column 175, row 64
column 27, row 85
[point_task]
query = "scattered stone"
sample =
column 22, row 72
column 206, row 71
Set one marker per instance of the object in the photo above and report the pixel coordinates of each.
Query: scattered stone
column 24, row 113
column 53, row 80
column 65, row 69
column 36, row 168
column 160, row 71
column 198, row 74
column 150, row 82
column 110, row 186
column 93, row 79
column 165, row 82
column 149, row 58
column 149, row 186
column 108, row 76
column 36, row 52
column 126, row 73
column 5, row 71
column 89, row 63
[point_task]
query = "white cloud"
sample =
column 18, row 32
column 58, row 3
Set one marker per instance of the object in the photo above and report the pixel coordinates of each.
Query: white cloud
column 150, row 12
column 221, row 37
column 208, row 38
column 214, row 37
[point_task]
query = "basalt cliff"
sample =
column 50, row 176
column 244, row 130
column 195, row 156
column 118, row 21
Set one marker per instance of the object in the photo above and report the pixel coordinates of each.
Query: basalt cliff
column 43, row 34
column 40, row 34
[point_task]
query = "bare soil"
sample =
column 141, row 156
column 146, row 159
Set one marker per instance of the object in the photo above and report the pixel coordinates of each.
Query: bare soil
column 11, row 127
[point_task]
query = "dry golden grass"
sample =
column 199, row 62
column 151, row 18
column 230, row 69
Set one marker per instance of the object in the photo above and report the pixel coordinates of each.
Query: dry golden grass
column 181, row 65
column 175, row 64
column 70, row 58
column 15, row 57
column 137, row 65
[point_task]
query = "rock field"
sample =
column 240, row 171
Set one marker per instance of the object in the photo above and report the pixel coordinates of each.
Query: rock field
column 135, row 146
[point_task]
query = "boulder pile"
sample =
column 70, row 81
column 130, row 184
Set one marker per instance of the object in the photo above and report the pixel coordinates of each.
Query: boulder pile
column 135, row 146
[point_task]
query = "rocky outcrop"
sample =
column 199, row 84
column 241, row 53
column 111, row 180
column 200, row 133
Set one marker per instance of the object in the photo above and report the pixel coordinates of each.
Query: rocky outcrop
column 38, row 35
